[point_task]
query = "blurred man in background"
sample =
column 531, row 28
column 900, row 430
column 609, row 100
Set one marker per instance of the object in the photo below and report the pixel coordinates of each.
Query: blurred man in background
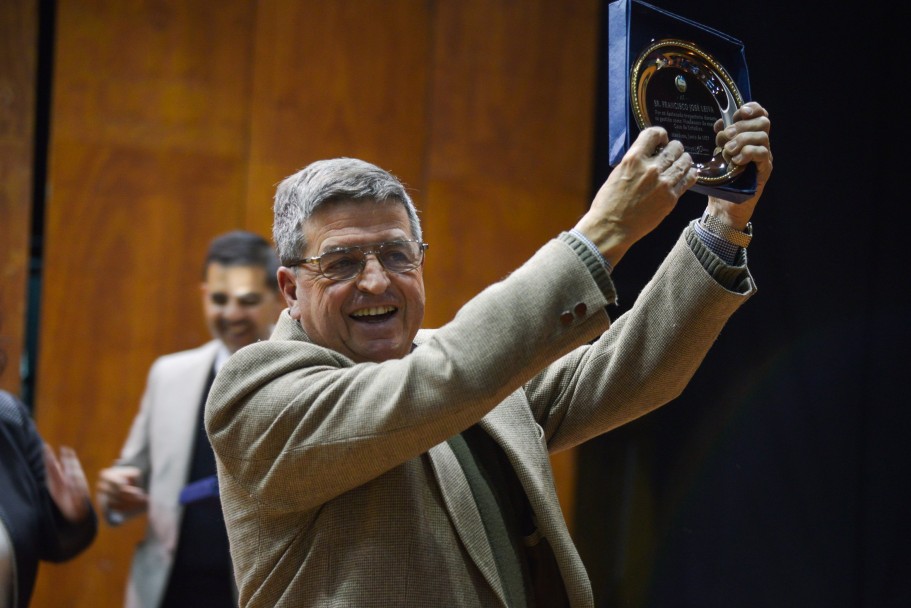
column 167, row 467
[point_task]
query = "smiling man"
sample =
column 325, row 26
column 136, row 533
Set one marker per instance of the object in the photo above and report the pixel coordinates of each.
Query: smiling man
column 372, row 304
column 367, row 462
column 166, row 467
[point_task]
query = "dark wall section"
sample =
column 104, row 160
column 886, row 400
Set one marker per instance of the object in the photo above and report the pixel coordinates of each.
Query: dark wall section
column 779, row 478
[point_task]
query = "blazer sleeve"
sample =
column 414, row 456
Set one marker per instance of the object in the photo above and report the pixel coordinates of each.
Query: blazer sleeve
column 60, row 539
column 294, row 424
column 648, row 356
column 136, row 450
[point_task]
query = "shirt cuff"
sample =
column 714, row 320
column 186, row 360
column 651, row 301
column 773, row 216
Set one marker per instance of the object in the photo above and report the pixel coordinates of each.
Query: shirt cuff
column 724, row 249
column 594, row 249
column 732, row 276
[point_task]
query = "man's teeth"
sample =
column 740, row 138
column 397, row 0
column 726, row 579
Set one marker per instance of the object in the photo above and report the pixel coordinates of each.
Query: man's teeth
column 370, row 312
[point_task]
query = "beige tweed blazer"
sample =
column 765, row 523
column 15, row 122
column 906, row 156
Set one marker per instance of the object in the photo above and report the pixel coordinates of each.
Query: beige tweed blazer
column 337, row 483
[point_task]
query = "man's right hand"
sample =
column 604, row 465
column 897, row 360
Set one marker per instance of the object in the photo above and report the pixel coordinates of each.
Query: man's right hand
column 119, row 489
column 639, row 193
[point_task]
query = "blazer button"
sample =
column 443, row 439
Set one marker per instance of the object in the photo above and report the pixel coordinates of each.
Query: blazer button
column 566, row 317
column 580, row 309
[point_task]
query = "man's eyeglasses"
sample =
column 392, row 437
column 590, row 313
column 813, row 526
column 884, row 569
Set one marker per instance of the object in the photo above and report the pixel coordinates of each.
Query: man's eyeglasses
column 346, row 263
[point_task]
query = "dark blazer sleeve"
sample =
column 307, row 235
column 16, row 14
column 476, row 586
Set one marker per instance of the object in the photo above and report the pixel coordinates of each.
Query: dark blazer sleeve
column 60, row 539
column 67, row 539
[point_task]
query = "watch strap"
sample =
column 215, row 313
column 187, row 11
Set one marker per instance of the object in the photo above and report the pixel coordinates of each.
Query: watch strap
column 726, row 232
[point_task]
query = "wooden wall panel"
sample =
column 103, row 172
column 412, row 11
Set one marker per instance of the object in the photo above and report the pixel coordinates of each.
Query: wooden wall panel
column 148, row 162
column 510, row 146
column 18, row 63
column 343, row 78
column 511, row 136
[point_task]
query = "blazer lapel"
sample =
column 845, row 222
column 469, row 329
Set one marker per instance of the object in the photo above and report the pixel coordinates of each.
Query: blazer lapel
column 464, row 513
column 183, row 400
column 514, row 429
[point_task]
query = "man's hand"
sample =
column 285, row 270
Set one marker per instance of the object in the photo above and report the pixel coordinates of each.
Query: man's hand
column 66, row 483
column 745, row 141
column 639, row 193
column 119, row 489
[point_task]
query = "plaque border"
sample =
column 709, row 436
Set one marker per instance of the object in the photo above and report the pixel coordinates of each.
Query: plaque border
column 643, row 120
column 634, row 24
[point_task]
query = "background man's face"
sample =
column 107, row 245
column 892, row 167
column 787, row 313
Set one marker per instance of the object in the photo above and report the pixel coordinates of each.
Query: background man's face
column 239, row 306
column 373, row 317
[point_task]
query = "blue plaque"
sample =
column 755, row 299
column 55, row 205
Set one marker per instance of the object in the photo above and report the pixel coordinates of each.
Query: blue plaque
column 669, row 71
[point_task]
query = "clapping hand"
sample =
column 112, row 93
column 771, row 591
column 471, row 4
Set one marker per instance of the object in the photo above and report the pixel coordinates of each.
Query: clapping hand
column 66, row 483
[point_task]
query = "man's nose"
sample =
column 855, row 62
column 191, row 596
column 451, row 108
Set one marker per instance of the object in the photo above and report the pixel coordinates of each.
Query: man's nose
column 373, row 279
column 232, row 310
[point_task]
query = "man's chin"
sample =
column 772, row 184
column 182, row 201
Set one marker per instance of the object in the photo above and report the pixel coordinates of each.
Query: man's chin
column 377, row 353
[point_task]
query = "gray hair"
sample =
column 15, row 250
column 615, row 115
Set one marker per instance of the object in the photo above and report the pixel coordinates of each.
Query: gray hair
column 339, row 179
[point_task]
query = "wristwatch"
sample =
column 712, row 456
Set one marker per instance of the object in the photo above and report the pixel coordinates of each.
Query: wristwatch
column 728, row 233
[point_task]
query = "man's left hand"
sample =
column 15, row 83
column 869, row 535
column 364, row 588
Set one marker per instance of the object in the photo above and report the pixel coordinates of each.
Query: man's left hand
column 745, row 141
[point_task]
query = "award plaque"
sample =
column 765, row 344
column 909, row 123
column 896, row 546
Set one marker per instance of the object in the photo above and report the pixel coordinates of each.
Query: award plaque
column 676, row 85
column 669, row 71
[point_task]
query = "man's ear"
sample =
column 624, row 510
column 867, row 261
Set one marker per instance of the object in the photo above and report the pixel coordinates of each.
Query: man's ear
column 287, row 285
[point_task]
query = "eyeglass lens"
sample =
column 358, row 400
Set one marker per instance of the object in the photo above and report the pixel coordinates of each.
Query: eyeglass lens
column 395, row 256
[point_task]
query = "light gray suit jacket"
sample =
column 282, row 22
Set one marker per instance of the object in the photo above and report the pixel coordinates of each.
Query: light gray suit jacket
column 338, row 486
column 161, row 443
